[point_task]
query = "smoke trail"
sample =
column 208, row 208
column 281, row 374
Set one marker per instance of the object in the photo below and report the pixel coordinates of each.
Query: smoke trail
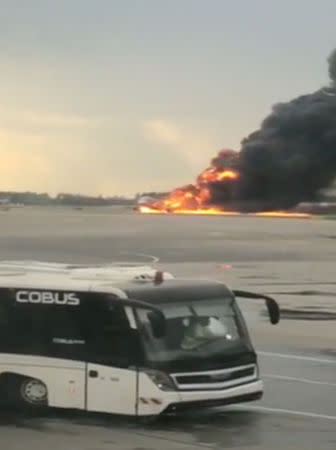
column 293, row 154
column 332, row 66
column 288, row 160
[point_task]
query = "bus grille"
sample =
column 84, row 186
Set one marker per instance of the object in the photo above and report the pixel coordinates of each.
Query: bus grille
column 216, row 379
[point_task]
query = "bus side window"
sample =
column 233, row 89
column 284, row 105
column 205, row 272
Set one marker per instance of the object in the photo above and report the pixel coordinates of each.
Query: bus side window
column 4, row 321
column 62, row 332
column 109, row 337
column 32, row 328
column 23, row 331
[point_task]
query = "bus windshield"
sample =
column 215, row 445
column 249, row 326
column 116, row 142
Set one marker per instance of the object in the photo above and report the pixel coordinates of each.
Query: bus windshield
column 194, row 331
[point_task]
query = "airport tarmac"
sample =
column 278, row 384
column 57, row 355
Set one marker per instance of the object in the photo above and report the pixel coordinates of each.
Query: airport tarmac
column 291, row 259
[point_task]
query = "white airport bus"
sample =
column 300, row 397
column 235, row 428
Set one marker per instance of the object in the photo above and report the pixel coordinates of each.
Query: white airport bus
column 122, row 339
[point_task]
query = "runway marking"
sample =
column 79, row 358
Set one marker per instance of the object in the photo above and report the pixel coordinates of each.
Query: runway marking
column 154, row 259
column 298, row 357
column 287, row 411
column 172, row 440
column 299, row 380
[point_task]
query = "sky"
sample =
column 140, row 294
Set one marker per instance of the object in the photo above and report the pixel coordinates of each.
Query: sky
column 110, row 97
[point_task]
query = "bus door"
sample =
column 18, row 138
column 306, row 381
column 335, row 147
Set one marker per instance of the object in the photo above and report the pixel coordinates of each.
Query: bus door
column 114, row 352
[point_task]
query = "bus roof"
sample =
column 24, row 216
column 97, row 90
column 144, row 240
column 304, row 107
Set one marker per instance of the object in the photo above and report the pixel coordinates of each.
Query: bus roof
column 123, row 280
column 177, row 290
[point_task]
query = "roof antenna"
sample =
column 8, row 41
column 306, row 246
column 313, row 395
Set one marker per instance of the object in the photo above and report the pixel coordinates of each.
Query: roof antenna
column 158, row 279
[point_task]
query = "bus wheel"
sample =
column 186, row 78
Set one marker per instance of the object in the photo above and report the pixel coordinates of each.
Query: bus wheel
column 26, row 393
column 147, row 420
column 34, row 392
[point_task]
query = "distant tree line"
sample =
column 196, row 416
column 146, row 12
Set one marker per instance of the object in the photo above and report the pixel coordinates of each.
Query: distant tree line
column 33, row 198
column 83, row 200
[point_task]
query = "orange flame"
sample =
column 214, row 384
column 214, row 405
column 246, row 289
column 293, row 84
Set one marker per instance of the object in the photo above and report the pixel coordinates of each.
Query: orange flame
column 194, row 199
column 212, row 175
column 219, row 212
column 283, row 214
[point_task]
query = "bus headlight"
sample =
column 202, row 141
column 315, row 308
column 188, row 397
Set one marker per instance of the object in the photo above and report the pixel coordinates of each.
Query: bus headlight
column 161, row 379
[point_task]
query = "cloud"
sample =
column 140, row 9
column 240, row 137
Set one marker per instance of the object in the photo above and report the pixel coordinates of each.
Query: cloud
column 162, row 131
column 70, row 153
column 24, row 118
column 22, row 167
column 196, row 146
column 57, row 120
column 109, row 162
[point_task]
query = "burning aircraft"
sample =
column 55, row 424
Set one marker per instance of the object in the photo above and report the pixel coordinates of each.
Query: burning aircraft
column 287, row 161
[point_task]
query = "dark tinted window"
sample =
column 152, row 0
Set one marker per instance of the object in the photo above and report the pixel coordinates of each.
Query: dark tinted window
column 5, row 320
column 36, row 328
column 61, row 332
column 96, row 330
column 19, row 328
column 109, row 336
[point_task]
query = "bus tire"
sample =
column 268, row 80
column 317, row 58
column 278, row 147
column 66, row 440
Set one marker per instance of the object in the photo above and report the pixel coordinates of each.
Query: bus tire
column 147, row 420
column 24, row 393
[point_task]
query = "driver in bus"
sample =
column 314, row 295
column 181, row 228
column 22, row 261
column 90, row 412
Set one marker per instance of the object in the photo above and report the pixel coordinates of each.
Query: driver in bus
column 202, row 329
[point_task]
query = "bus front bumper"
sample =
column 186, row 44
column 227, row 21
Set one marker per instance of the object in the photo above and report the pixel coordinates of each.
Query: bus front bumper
column 205, row 399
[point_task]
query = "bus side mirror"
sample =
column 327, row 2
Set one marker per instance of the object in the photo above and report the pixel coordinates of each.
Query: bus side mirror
column 273, row 310
column 158, row 324
column 271, row 305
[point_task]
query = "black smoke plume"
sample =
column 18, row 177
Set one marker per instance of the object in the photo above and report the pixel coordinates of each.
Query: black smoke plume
column 290, row 158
